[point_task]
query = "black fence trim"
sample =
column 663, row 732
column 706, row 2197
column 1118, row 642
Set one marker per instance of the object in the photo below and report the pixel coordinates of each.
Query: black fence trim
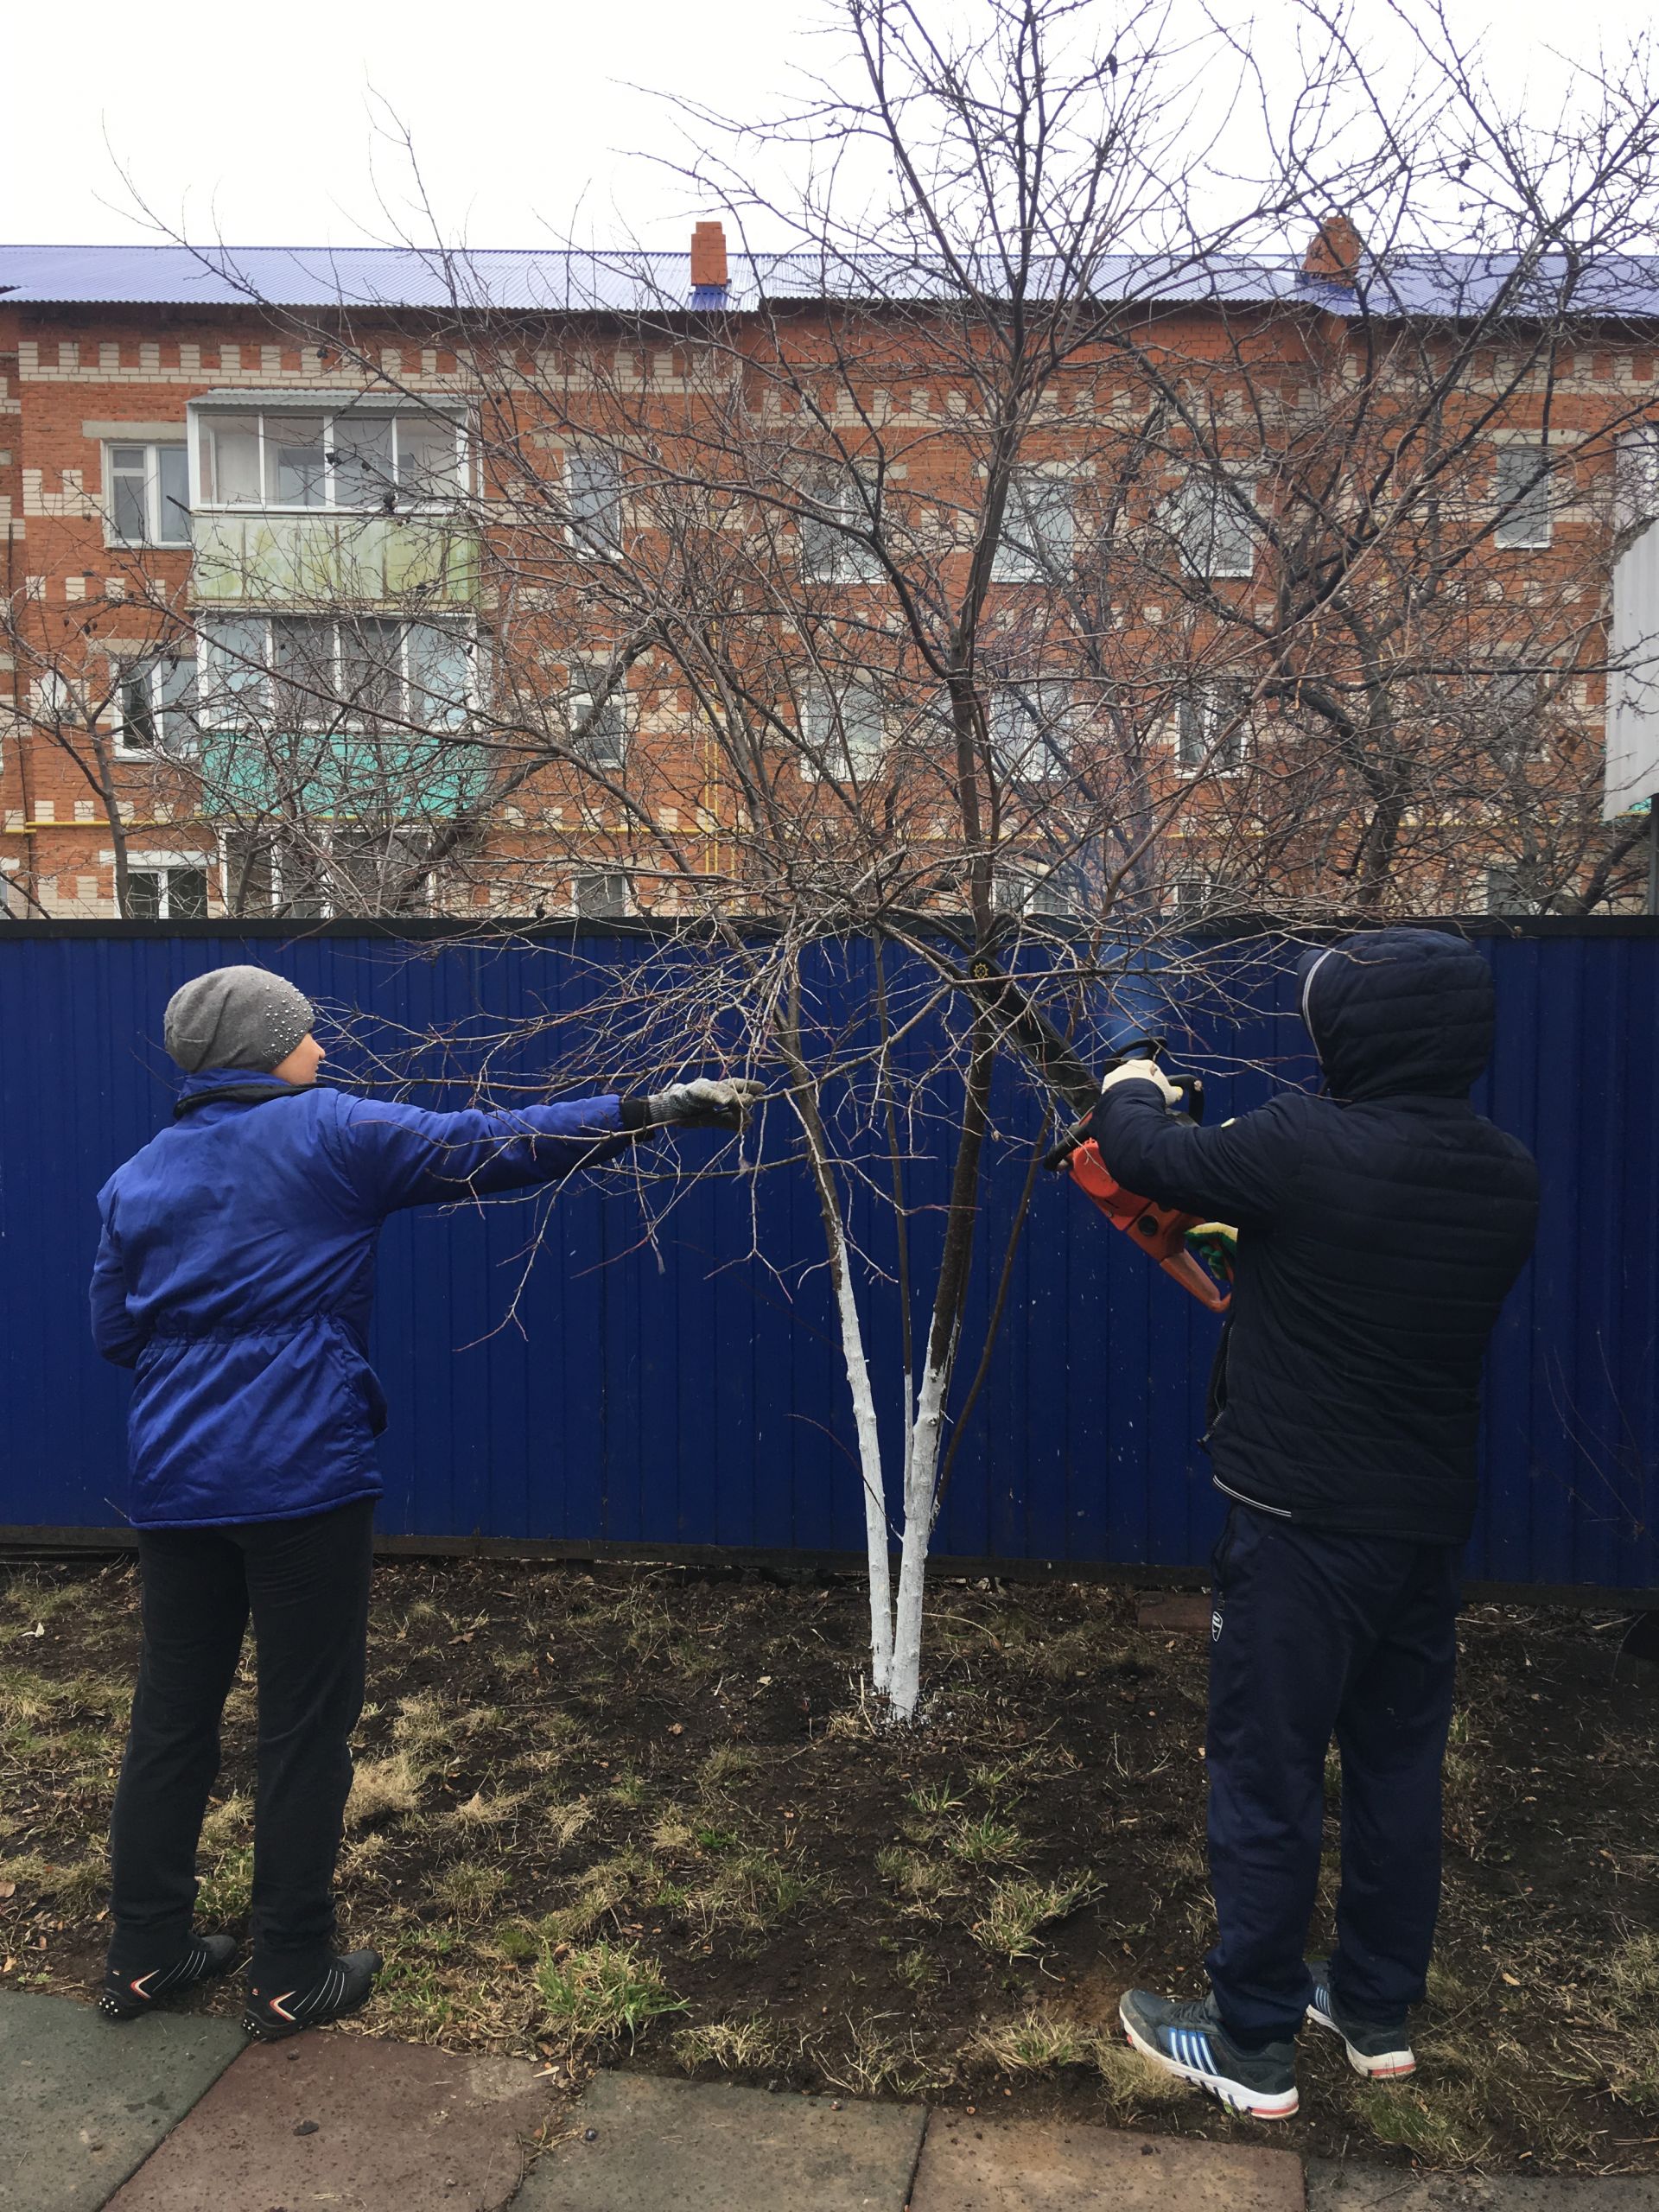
column 43, row 1543
column 417, row 930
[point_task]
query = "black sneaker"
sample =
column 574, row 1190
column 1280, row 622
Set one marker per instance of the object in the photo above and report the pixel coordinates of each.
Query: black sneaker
column 204, row 1958
column 341, row 1987
column 1379, row 2050
column 1189, row 2040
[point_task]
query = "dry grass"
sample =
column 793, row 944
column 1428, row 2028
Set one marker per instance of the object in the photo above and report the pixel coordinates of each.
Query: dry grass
column 558, row 1832
column 383, row 1788
column 1018, row 1912
column 744, row 2045
column 601, row 1994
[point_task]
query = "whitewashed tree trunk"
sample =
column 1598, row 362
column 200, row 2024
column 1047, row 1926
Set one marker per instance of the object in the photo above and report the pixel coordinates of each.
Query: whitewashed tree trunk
column 921, row 1466
column 870, row 1459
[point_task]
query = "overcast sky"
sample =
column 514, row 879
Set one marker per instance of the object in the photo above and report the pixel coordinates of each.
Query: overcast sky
column 263, row 127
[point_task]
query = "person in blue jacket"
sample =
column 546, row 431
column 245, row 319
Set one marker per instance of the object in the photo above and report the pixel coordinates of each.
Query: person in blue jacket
column 235, row 1275
column 1380, row 1230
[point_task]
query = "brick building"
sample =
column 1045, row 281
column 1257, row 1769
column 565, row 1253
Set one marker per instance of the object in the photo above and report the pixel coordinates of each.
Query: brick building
column 366, row 582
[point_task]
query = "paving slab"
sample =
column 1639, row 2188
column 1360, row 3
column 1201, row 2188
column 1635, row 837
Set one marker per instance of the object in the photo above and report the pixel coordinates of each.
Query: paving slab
column 351, row 2123
column 83, row 2101
column 973, row 2165
column 677, row 2146
column 1347, row 2188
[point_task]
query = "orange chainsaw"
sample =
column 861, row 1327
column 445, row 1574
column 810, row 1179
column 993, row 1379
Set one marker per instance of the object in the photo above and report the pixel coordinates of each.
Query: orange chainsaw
column 1195, row 1253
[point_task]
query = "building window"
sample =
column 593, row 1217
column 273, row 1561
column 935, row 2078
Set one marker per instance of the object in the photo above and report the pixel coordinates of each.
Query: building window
column 1053, row 893
column 598, row 733
column 602, row 894
column 1038, row 530
column 1523, row 497
column 357, row 460
column 1031, row 729
column 301, row 671
column 165, row 893
column 147, row 494
column 835, row 539
column 841, row 733
column 325, row 871
column 593, row 489
column 1210, row 725
column 1194, row 894
column 1514, row 705
column 1214, row 521
column 1512, row 888
column 156, row 708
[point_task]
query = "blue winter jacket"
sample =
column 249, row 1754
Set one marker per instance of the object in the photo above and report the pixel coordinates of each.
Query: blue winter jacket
column 1380, row 1231
column 236, row 1273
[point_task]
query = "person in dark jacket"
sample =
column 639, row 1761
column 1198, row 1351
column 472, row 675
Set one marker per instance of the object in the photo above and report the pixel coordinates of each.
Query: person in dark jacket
column 235, row 1275
column 1379, row 1228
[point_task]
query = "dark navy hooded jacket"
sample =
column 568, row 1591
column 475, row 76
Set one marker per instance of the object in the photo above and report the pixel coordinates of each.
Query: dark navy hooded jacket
column 236, row 1273
column 1380, row 1231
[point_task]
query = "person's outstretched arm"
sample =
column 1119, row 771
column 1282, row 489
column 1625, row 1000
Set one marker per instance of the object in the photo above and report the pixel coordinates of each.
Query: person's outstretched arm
column 113, row 1331
column 397, row 1155
column 1238, row 1172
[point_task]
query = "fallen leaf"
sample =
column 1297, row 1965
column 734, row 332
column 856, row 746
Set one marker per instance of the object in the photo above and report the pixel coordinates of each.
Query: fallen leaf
column 1514, row 1980
column 8, row 1889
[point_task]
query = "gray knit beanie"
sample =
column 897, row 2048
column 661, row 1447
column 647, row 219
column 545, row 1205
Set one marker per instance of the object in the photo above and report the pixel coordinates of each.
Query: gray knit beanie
column 236, row 1018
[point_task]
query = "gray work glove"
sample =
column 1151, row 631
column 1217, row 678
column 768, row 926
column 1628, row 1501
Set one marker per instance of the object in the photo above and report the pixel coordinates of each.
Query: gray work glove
column 707, row 1103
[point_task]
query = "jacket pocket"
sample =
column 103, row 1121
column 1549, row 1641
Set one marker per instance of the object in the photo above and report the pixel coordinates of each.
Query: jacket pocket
column 360, row 1380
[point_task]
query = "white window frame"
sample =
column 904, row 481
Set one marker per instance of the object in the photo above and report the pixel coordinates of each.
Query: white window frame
column 1198, row 509
column 850, row 561
column 328, row 907
column 1198, row 715
column 586, row 681
column 1051, row 552
column 327, row 408
column 611, row 914
column 825, row 723
column 1030, row 728
column 151, row 472
column 588, row 541
column 218, row 709
column 165, row 867
column 1506, row 893
column 170, row 744
column 1042, row 893
column 1528, row 526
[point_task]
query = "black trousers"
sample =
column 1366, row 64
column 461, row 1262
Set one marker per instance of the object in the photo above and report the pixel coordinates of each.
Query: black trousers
column 1316, row 1635
column 306, row 1585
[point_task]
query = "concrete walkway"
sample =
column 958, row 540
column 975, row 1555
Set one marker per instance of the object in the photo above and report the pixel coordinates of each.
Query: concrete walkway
column 178, row 2114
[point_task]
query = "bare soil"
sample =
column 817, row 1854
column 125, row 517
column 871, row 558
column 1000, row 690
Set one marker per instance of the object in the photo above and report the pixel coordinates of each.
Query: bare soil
column 633, row 1816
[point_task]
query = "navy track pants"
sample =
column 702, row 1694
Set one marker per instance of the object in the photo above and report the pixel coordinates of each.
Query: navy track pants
column 1317, row 1634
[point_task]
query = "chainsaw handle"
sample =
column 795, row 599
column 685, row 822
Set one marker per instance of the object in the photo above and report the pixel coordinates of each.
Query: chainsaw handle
column 1189, row 1086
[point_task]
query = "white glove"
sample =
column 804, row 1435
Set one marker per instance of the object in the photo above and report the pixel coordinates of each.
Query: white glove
column 1142, row 1071
column 707, row 1103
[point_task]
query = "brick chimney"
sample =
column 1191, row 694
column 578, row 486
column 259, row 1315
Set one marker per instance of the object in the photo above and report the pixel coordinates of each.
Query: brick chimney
column 1334, row 255
column 708, row 256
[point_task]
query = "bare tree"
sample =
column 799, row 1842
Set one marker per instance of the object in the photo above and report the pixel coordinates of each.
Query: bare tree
column 1018, row 560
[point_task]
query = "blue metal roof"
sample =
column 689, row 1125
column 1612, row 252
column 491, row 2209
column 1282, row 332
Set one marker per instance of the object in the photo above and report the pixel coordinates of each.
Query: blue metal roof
column 1458, row 285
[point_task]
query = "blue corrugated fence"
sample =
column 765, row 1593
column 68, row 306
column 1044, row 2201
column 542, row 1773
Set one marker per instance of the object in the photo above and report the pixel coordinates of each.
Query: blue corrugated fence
column 680, row 1390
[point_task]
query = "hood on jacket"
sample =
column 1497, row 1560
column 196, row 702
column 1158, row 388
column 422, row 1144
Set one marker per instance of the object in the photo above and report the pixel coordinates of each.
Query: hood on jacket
column 1398, row 1011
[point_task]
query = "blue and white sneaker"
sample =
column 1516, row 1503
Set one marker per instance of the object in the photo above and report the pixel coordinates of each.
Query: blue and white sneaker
column 1378, row 2049
column 1189, row 2040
